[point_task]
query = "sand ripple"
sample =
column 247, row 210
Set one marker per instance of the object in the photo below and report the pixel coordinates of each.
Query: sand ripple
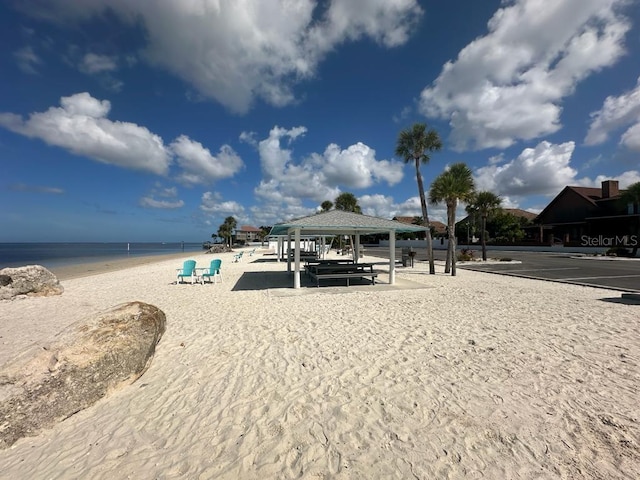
column 478, row 376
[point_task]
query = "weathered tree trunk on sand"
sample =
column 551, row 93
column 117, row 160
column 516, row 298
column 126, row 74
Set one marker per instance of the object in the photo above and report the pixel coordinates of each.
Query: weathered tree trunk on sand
column 90, row 359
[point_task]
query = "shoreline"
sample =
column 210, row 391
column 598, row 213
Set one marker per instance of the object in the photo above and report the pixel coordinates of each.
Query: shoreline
column 78, row 270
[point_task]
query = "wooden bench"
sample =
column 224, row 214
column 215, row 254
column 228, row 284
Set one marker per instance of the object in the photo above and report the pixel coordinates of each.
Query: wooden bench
column 304, row 256
column 346, row 271
column 313, row 263
column 319, row 276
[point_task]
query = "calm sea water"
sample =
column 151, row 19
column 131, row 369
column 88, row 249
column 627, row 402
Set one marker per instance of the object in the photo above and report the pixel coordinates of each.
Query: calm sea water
column 52, row 255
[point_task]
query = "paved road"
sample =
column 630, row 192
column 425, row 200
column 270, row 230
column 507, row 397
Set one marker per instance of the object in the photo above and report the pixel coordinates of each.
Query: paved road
column 623, row 275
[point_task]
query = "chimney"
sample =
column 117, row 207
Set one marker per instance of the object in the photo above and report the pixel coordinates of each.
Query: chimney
column 610, row 188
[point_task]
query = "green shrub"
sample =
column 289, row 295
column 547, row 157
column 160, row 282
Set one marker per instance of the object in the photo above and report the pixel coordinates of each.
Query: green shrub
column 465, row 255
column 618, row 252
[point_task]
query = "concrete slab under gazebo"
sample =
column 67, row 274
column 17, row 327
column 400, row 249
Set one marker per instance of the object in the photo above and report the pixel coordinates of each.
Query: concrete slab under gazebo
column 338, row 222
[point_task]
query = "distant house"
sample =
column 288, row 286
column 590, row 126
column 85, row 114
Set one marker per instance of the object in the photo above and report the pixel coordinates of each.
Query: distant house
column 247, row 233
column 439, row 228
column 588, row 217
column 465, row 227
column 516, row 212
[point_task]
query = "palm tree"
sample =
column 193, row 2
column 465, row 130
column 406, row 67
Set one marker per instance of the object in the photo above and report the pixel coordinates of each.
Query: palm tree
column 223, row 232
column 413, row 145
column 263, row 233
column 348, row 202
column 484, row 203
column 326, row 205
column 632, row 196
column 453, row 185
column 226, row 229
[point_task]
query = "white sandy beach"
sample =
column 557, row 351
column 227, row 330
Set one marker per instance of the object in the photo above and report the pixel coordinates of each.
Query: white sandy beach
column 474, row 376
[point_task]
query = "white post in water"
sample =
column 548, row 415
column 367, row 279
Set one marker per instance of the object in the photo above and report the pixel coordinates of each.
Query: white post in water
column 127, row 247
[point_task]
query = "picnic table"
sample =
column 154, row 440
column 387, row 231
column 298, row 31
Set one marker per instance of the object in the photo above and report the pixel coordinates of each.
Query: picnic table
column 304, row 255
column 312, row 262
column 330, row 269
column 332, row 261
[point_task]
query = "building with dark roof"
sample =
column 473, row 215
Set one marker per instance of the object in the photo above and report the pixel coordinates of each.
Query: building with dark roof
column 518, row 212
column 585, row 216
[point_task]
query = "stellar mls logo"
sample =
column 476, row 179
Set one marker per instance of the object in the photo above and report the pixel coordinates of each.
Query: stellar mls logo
column 615, row 241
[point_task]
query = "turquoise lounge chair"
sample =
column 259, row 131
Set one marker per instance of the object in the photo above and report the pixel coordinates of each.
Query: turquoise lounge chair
column 213, row 271
column 188, row 270
column 238, row 257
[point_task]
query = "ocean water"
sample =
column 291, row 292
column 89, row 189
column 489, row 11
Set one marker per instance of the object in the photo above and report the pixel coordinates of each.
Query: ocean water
column 51, row 255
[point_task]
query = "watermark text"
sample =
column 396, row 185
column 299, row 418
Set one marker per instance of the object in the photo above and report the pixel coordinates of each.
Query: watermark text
column 609, row 241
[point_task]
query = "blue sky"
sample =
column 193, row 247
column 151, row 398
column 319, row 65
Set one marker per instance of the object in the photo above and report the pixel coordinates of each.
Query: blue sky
column 155, row 120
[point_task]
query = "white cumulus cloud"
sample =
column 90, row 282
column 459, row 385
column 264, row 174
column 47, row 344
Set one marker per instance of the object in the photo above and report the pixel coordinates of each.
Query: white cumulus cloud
column 357, row 167
column 199, row 166
column 236, row 51
column 624, row 179
column 212, row 203
column 378, row 205
column 542, row 170
column 617, row 113
column 509, row 84
column 81, row 126
column 318, row 177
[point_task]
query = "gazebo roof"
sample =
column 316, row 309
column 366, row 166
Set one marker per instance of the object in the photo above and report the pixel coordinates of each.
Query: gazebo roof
column 339, row 222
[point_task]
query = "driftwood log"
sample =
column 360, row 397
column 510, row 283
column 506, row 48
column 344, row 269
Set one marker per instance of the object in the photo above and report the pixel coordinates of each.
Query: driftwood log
column 90, row 359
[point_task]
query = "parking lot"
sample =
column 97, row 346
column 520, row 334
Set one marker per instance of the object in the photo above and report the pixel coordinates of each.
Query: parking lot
column 604, row 272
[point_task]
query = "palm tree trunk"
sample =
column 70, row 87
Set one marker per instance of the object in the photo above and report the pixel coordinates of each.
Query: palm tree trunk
column 483, row 239
column 452, row 238
column 447, row 264
column 425, row 219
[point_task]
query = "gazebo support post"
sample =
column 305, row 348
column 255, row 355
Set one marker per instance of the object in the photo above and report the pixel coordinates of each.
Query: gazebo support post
column 296, row 274
column 392, row 257
column 279, row 248
column 289, row 252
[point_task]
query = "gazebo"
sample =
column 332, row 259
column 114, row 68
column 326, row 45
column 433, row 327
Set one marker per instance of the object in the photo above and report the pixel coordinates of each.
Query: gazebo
column 339, row 222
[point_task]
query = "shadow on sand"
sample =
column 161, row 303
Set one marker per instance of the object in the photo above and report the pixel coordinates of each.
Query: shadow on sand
column 281, row 284
column 273, row 280
column 626, row 299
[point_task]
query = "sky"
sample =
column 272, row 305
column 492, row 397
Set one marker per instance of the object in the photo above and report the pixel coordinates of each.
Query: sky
column 155, row 120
